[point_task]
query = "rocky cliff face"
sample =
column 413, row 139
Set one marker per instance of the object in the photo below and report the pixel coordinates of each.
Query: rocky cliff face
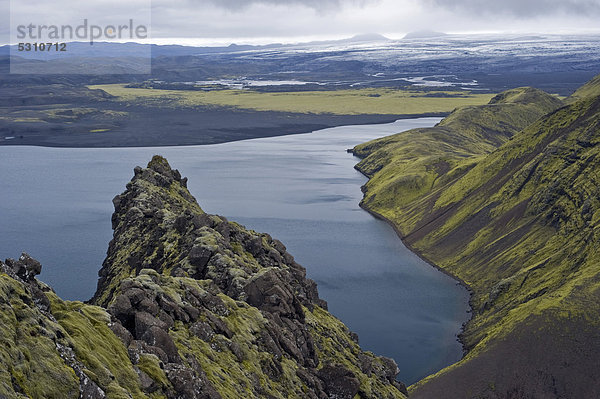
column 189, row 305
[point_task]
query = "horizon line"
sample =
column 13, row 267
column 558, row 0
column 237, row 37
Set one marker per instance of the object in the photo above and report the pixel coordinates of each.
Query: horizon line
column 299, row 40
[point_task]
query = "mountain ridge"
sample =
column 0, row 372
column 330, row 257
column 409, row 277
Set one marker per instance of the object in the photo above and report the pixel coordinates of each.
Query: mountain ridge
column 518, row 225
column 414, row 162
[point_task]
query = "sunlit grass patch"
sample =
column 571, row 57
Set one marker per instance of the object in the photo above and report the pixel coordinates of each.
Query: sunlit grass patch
column 342, row 102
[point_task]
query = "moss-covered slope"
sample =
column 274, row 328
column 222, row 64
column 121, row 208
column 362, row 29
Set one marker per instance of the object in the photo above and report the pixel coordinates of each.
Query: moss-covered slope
column 56, row 349
column 588, row 90
column 409, row 165
column 189, row 305
column 521, row 227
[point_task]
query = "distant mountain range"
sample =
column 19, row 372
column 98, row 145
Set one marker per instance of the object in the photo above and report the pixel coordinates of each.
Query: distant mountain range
column 558, row 64
column 133, row 49
column 424, row 34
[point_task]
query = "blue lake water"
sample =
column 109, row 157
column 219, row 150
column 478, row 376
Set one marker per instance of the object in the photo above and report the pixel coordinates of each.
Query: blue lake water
column 302, row 189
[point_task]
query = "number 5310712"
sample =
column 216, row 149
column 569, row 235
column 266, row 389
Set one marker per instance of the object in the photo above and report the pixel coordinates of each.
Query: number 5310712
column 42, row 47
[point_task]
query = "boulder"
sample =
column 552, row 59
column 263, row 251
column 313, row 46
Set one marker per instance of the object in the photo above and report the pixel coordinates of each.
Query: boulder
column 143, row 322
column 155, row 336
column 339, row 382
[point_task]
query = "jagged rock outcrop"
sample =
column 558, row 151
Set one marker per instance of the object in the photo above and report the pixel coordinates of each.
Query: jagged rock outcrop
column 188, row 305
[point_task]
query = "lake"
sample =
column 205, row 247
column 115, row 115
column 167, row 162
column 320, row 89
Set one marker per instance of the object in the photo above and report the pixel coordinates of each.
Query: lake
column 302, row 189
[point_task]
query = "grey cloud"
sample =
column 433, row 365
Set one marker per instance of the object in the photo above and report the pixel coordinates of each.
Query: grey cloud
column 521, row 8
column 315, row 4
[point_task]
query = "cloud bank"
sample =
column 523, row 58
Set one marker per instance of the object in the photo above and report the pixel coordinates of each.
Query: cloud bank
column 521, row 8
column 314, row 4
column 260, row 21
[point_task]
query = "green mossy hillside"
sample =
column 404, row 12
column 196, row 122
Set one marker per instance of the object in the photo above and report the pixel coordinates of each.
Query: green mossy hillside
column 588, row 90
column 56, row 349
column 520, row 226
column 408, row 165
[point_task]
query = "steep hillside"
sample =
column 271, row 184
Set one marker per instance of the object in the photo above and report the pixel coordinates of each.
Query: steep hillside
column 189, row 305
column 408, row 165
column 521, row 227
column 588, row 90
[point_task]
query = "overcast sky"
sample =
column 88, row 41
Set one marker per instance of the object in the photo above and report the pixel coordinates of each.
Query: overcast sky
column 260, row 21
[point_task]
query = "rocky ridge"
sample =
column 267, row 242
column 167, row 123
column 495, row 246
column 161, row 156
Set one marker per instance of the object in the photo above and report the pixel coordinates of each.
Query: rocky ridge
column 188, row 305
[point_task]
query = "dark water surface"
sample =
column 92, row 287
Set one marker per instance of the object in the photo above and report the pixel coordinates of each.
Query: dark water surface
column 302, row 189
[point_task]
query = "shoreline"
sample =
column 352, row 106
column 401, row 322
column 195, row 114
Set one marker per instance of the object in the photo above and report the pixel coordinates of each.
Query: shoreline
column 200, row 127
column 429, row 262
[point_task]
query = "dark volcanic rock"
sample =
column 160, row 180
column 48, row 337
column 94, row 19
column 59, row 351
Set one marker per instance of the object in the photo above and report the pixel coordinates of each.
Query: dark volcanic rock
column 155, row 336
column 26, row 268
column 340, row 383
